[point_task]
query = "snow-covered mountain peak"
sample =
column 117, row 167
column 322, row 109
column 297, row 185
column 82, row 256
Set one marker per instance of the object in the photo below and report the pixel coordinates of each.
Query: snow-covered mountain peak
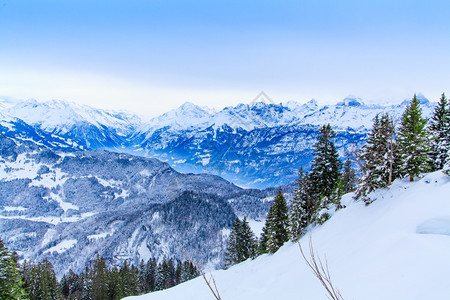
column 186, row 116
column 351, row 101
column 260, row 105
column 312, row 104
column 62, row 116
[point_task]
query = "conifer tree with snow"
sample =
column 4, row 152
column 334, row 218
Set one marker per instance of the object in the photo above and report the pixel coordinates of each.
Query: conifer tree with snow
column 439, row 128
column 98, row 275
column 303, row 207
column 325, row 170
column 349, row 180
column 242, row 243
column 232, row 252
column 10, row 279
column 262, row 242
column 413, row 145
column 276, row 227
column 378, row 157
column 248, row 240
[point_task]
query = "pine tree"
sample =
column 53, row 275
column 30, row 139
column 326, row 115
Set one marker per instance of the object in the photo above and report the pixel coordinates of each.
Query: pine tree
column 242, row 243
column 276, row 232
column 325, row 169
column 10, row 279
column 248, row 241
column 114, row 284
column 70, row 285
column 348, row 180
column 189, row 271
column 178, row 272
column 262, row 242
column 439, row 128
column 129, row 279
column 232, row 252
column 378, row 157
column 99, row 275
column 412, row 142
column 296, row 212
column 86, row 279
column 147, row 273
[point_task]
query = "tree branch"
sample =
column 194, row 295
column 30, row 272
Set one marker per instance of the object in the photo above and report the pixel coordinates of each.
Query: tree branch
column 321, row 271
column 214, row 289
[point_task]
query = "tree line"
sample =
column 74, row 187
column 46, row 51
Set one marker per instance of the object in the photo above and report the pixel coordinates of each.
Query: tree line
column 418, row 145
column 97, row 282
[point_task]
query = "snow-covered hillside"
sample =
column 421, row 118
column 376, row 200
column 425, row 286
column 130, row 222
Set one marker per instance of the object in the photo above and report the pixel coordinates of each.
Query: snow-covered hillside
column 396, row 248
column 68, row 207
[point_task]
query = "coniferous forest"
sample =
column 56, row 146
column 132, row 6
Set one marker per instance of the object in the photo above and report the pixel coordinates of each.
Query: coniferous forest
column 394, row 149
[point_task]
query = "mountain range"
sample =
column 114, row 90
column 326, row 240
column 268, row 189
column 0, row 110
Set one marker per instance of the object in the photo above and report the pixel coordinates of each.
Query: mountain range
column 255, row 145
column 69, row 206
column 77, row 181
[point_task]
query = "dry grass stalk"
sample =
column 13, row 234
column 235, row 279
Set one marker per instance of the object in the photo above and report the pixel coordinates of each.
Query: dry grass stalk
column 321, row 271
column 214, row 288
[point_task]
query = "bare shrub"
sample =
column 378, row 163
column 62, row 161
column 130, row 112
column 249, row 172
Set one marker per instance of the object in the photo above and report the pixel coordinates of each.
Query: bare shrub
column 321, row 271
column 212, row 287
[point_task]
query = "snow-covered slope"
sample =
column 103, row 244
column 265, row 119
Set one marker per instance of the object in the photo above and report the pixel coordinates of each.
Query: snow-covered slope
column 61, row 116
column 396, row 248
column 89, row 127
column 67, row 207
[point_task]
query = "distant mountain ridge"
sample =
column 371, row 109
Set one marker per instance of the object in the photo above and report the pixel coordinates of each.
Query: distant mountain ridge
column 257, row 145
column 68, row 207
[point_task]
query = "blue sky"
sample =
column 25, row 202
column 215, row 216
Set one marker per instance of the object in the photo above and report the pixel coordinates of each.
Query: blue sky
column 151, row 56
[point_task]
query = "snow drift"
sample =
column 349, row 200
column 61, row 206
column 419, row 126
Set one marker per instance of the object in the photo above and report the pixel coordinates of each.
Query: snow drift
column 396, row 248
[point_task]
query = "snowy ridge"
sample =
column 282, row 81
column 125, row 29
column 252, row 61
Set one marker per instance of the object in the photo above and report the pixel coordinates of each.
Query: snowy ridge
column 61, row 116
column 256, row 145
column 396, row 248
column 351, row 112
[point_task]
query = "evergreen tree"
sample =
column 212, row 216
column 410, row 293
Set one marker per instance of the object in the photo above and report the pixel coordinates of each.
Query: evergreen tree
column 70, row 286
column 249, row 244
column 298, row 219
column 99, row 279
column 171, row 274
column 242, row 243
column 86, row 279
column 412, row 142
column 325, row 170
column 162, row 275
column 378, row 157
column 129, row 279
column 178, row 272
column 41, row 281
column 439, row 128
column 276, row 227
column 189, row 271
column 114, row 284
column 10, row 279
column 232, row 252
column 349, row 181
column 262, row 242
column 147, row 275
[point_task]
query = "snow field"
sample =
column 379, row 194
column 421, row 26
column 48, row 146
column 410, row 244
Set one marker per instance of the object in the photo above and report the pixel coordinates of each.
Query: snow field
column 396, row 248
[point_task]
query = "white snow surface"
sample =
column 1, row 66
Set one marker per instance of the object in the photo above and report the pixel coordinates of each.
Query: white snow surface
column 63, row 246
column 351, row 112
column 396, row 248
column 63, row 115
